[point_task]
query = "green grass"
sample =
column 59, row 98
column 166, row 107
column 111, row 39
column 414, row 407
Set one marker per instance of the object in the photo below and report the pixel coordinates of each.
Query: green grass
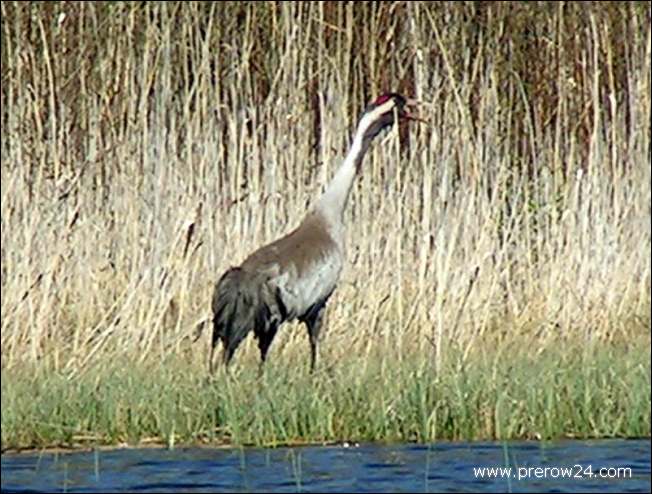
column 577, row 391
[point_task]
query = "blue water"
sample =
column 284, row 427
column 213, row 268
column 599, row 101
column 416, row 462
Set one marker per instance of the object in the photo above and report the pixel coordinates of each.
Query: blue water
column 364, row 468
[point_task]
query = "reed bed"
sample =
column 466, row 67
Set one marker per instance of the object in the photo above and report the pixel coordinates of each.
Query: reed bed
column 148, row 147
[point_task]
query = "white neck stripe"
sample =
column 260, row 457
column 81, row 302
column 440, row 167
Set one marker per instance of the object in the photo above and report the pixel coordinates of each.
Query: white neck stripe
column 374, row 114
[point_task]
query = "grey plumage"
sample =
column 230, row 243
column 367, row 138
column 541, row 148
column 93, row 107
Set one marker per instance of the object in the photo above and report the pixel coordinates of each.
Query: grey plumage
column 294, row 276
column 291, row 278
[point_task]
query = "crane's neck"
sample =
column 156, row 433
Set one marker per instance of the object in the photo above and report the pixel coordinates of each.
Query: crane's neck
column 333, row 201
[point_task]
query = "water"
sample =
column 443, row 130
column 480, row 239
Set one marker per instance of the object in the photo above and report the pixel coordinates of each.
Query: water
column 363, row 468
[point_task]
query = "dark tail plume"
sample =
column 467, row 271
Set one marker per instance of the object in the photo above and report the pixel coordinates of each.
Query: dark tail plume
column 235, row 308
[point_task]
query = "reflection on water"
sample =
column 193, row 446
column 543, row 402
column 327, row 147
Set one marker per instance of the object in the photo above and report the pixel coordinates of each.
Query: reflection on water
column 563, row 466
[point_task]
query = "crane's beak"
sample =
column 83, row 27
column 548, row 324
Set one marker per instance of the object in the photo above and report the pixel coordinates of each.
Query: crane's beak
column 412, row 104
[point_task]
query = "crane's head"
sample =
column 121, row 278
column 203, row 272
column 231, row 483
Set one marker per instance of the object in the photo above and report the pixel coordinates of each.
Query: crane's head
column 382, row 113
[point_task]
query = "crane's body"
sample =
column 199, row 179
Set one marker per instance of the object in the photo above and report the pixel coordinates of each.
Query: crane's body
column 294, row 276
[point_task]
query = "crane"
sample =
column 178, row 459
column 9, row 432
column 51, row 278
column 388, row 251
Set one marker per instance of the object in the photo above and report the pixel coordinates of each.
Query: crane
column 294, row 276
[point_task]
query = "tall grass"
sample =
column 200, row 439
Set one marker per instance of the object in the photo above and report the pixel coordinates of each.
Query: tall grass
column 146, row 147
column 593, row 394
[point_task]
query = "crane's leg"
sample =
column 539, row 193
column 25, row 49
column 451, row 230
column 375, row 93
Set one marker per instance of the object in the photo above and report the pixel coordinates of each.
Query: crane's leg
column 229, row 346
column 313, row 322
column 227, row 355
column 265, row 339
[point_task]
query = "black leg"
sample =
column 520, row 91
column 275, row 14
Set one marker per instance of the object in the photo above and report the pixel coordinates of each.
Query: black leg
column 227, row 354
column 313, row 323
column 265, row 339
column 229, row 347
